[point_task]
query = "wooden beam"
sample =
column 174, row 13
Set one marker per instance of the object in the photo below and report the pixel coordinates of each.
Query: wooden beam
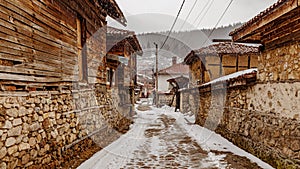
column 222, row 40
column 275, row 14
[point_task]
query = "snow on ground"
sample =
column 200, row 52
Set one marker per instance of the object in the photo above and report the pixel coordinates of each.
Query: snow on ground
column 210, row 140
column 119, row 152
column 122, row 152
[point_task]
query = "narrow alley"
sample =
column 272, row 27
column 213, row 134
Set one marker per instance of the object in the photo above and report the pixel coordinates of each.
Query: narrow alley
column 161, row 138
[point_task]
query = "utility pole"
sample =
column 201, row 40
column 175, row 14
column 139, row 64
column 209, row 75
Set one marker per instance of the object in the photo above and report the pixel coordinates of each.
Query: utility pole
column 156, row 76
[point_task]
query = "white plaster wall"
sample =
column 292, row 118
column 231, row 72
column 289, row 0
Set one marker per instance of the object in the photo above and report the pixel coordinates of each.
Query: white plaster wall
column 280, row 98
column 163, row 85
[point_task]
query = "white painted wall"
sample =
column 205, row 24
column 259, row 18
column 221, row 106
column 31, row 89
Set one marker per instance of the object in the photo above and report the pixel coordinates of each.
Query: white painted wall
column 163, row 85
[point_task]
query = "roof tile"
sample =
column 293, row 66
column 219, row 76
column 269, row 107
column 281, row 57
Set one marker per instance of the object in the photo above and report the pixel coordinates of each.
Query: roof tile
column 226, row 48
column 178, row 68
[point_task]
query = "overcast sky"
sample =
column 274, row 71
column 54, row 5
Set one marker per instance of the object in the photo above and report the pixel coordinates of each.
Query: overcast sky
column 239, row 11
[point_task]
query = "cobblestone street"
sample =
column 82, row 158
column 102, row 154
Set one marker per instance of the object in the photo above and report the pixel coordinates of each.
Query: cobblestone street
column 158, row 140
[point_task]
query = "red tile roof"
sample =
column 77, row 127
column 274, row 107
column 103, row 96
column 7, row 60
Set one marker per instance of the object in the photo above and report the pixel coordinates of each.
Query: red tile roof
column 260, row 15
column 226, row 48
column 178, row 68
column 221, row 48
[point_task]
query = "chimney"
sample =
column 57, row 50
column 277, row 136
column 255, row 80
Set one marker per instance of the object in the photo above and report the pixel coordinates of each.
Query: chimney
column 174, row 60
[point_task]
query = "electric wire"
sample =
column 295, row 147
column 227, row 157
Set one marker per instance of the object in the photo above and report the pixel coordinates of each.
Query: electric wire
column 173, row 24
column 223, row 14
column 205, row 9
column 189, row 14
column 186, row 18
column 201, row 12
column 205, row 13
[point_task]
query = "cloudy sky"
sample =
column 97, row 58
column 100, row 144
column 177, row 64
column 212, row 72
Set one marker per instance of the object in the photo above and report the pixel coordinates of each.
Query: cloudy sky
column 141, row 13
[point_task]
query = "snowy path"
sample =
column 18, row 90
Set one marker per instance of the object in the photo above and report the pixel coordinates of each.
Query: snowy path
column 161, row 138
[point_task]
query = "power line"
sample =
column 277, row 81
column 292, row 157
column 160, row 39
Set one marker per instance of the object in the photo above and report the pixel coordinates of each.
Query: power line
column 173, row 24
column 191, row 10
column 204, row 11
column 211, row 2
column 223, row 14
column 201, row 12
column 208, row 4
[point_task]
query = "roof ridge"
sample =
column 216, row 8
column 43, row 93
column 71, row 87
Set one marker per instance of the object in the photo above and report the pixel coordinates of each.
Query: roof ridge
column 260, row 15
column 226, row 47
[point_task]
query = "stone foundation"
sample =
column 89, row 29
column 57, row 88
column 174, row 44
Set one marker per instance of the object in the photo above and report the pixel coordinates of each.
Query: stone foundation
column 189, row 101
column 38, row 127
column 251, row 117
column 166, row 99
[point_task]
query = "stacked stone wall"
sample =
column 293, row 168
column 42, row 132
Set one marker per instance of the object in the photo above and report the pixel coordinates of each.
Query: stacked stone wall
column 263, row 131
column 189, row 101
column 38, row 128
column 280, row 64
column 166, row 99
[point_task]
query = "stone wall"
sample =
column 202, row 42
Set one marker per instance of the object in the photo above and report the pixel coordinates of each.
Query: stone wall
column 166, row 99
column 257, row 119
column 38, row 127
column 280, row 64
column 281, row 98
column 196, row 73
column 189, row 101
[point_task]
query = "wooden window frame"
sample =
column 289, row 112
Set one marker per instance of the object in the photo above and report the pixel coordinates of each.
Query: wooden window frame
column 82, row 48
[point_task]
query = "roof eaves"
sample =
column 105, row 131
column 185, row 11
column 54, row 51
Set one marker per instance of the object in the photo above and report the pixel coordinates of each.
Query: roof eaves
column 279, row 8
column 114, row 11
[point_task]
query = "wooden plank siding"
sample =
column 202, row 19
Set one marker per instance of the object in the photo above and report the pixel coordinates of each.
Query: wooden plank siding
column 40, row 38
column 252, row 30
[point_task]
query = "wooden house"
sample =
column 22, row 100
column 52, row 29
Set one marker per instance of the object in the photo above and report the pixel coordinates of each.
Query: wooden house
column 220, row 59
column 121, row 64
column 147, row 85
column 50, row 43
column 53, row 80
column 278, row 30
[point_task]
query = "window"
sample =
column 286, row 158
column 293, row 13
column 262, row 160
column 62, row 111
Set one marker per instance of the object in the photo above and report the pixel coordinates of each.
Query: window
column 82, row 48
column 110, row 77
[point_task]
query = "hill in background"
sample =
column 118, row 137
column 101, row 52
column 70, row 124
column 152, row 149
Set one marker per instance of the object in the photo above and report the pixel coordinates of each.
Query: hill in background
column 179, row 44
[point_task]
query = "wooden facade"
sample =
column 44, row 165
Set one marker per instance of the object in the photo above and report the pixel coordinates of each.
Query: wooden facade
column 221, row 59
column 53, row 81
column 52, row 42
column 121, row 64
column 277, row 29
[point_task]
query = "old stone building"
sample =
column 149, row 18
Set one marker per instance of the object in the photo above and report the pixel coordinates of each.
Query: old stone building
column 261, row 114
column 214, row 61
column 121, row 61
column 53, row 96
column 274, row 101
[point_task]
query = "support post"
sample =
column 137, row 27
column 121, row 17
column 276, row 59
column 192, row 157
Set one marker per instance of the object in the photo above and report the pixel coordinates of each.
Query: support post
column 156, row 75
